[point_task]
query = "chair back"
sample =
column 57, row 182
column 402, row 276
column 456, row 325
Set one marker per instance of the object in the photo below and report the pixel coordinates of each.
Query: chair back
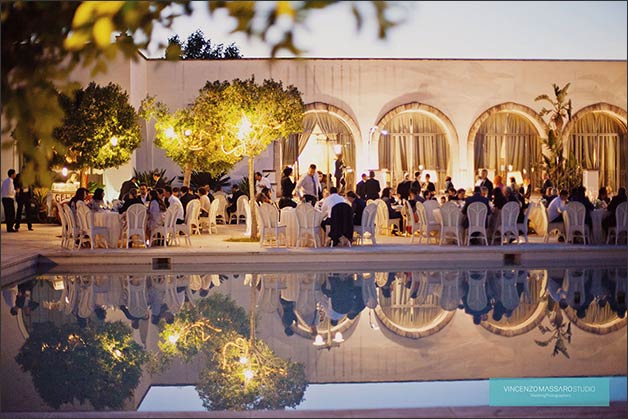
column 621, row 217
column 509, row 214
column 430, row 205
column 450, row 214
column 136, row 217
column 476, row 213
column 305, row 215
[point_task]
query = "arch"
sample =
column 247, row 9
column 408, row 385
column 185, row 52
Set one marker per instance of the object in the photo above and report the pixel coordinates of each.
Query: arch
column 529, row 113
column 602, row 107
column 436, row 115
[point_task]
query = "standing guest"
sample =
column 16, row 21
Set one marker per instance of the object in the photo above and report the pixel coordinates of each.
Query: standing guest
column 126, row 187
column 24, row 196
column 547, row 183
column 132, row 198
column 261, row 182
column 357, row 205
column 173, row 200
column 186, row 197
column 403, row 189
column 429, row 185
column 485, row 181
column 8, row 201
column 144, row 196
column 372, row 187
column 205, row 202
column 233, row 201
column 287, row 188
column 449, row 184
column 97, row 203
column 360, row 188
column 309, row 187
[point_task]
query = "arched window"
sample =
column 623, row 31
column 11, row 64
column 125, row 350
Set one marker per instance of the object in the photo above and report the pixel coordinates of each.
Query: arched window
column 414, row 139
column 507, row 139
column 598, row 142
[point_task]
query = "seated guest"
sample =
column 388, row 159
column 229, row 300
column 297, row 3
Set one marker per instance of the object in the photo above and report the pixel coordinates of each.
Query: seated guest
column 132, row 199
column 186, row 196
column 205, row 202
column 174, row 200
column 98, row 200
column 557, row 207
column 610, row 220
column 357, row 205
column 233, row 201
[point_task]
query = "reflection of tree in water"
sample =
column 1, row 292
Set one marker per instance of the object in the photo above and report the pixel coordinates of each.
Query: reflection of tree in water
column 100, row 364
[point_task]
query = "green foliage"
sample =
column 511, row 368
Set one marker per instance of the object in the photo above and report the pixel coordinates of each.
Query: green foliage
column 199, row 179
column 273, row 383
column 563, row 170
column 93, row 116
column 147, row 177
column 100, row 364
column 198, row 48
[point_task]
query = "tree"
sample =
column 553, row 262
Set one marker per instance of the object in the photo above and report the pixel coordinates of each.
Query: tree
column 99, row 128
column 42, row 42
column 252, row 116
column 563, row 170
column 188, row 135
column 100, row 364
column 198, row 48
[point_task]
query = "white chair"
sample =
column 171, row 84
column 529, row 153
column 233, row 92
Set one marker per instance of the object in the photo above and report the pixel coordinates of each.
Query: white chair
column 558, row 226
column 308, row 228
column 506, row 228
column 382, row 220
column 65, row 233
column 221, row 216
column 450, row 223
column 621, row 223
column 74, row 230
column 135, row 224
column 575, row 226
column 240, row 214
column 270, row 227
column 415, row 226
column 89, row 232
column 367, row 225
column 476, row 215
column 194, row 209
column 426, row 227
column 523, row 227
column 165, row 232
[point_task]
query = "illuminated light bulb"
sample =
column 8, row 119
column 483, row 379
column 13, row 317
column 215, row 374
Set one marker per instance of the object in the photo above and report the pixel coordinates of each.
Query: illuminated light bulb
column 114, row 141
column 170, row 132
column 318, row 341
column 173, row 338
column 338, row 338
column 64, row 172
column 243, row 360
column 248, row 374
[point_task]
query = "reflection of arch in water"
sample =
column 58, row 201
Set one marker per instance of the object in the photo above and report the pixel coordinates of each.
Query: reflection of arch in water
column 528, row 314
column 412, row 317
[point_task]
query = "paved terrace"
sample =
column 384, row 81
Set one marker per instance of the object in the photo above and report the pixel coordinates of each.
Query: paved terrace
column 22, row 252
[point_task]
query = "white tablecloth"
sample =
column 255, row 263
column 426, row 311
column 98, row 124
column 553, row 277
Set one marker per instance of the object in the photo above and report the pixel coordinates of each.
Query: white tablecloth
column 113, row 221
column 597, row 233
column 288, row 216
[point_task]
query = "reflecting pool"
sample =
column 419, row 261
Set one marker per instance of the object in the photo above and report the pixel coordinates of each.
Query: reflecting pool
column 95, row 338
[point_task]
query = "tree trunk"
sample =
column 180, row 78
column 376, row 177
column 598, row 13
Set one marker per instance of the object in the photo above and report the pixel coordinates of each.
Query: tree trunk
column 252, row 195
column 187, row 174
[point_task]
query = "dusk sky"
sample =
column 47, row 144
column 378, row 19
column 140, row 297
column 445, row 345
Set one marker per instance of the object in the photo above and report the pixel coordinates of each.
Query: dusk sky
column 558, row 30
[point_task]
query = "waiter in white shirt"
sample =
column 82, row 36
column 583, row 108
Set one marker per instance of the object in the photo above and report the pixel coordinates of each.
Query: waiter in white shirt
column 8, row 201
column 309, row 187
column 261, row 182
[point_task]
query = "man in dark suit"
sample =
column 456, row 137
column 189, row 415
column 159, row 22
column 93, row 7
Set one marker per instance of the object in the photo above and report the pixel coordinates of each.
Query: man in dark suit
column 358, row 205
column 372, row 187
column 360, row 188
column 127, row 185
column 485, row 181
column 403, row 189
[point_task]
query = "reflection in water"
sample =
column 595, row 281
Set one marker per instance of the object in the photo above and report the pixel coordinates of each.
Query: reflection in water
column 324, row 308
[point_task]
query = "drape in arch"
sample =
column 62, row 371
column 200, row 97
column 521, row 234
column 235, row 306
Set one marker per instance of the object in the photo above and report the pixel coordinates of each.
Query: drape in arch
column 413, row 139
column 598, row 142
column 510, row 137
